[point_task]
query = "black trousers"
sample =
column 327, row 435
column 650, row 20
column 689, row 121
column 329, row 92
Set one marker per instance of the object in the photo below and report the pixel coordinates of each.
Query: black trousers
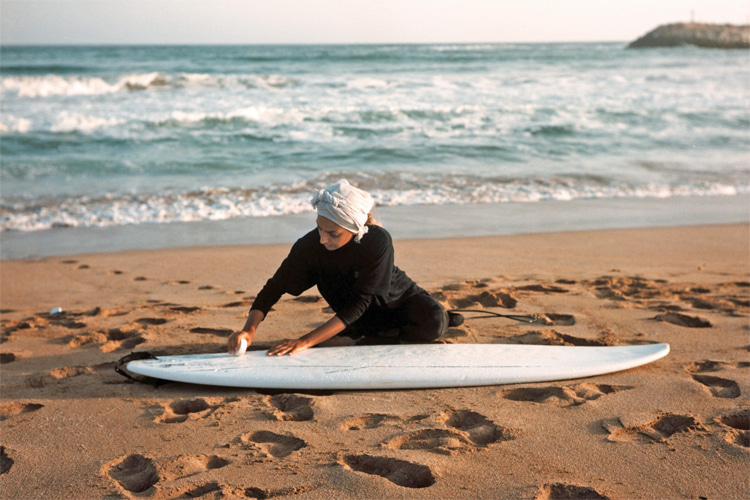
column 420, row 318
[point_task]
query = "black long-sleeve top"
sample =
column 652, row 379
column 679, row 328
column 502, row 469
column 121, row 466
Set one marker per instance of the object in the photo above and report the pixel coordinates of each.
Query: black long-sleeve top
column 352, row 279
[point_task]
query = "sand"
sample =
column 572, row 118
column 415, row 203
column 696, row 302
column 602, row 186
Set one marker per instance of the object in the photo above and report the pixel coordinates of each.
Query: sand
column 676, row 428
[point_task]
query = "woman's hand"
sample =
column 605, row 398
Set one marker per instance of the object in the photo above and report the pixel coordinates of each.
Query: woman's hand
column 288, row 347
column 248, row 331
column 236, row 338
column 315, row 337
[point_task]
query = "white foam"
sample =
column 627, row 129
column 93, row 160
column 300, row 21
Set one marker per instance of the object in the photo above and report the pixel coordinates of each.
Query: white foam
column 56, row 85
column 257, row 114
column 53, row 85
column 27, row 214
column 143, row 81
column 14, row 124
column 368, row 83
column 72, row 122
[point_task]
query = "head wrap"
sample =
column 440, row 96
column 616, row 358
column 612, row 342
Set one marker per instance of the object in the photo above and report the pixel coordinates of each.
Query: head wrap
column 345, row 205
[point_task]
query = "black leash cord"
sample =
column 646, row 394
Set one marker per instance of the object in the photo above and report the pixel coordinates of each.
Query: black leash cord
column 523, row 318
column 133, row 356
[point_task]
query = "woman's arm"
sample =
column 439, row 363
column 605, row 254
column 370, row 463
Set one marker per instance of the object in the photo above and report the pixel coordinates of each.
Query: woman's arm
column 247, row 332
column 324, row 332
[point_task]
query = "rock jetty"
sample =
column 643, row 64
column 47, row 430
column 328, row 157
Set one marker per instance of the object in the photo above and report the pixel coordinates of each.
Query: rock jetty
column 716, row 36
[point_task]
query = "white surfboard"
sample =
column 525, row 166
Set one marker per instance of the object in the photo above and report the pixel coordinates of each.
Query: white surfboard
column 399, row 366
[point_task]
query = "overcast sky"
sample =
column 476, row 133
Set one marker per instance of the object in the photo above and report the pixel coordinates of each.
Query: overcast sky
column 347, row 21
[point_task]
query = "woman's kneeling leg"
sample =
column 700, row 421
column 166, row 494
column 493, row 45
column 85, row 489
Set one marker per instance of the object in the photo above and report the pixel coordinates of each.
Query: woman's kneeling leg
column 424, row 319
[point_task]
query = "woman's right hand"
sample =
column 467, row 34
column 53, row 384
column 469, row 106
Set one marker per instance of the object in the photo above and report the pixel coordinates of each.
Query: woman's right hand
column 234, row 341
column 254, row 318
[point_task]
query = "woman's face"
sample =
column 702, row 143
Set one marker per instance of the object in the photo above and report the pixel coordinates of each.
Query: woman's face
column 332, row 236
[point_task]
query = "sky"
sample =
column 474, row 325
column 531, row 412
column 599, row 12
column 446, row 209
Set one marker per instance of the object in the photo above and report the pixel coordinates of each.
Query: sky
column 75, row 22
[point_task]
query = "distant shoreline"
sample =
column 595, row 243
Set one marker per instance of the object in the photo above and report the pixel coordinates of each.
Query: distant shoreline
column 715, row 36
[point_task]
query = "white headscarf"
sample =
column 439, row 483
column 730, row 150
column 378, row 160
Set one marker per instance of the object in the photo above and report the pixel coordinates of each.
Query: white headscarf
column 345, row 205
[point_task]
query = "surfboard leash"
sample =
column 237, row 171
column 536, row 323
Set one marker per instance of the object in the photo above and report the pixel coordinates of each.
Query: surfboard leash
column 133, row 356
column 523, row 318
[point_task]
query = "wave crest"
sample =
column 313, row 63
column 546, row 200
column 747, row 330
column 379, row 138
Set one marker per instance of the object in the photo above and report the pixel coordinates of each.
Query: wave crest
column 56, row 85
column 392, row 189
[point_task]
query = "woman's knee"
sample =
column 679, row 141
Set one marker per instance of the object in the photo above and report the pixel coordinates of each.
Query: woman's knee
column 427, row 319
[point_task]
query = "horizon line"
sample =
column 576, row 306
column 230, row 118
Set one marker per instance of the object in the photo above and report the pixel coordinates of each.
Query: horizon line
column 289, row 44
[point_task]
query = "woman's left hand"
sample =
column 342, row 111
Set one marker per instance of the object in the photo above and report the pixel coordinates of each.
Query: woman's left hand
column 288, row 347
column 315, row 337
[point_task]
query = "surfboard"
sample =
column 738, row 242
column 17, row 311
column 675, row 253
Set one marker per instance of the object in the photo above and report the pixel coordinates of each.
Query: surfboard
column 398, row 366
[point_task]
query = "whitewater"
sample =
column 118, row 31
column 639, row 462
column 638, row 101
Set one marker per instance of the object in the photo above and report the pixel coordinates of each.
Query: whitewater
column 96, row 137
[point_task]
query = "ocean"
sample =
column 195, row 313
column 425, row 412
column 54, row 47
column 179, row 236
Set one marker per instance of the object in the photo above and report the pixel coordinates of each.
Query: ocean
column 142, row 140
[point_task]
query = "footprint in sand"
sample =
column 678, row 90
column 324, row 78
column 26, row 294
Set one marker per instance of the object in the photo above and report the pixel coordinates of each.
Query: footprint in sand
column 552, row 337
column 190, row 465
column 5, row 461
column 205, row 489
column 239, row 303
column 70, row 371
column 113, row 340
column 467, row 431
column 7, row 357
column 262, row 494
column 567, row 396
column 712, row 304
column 135, row 473
column 400, row 472
column 183, row 409
column 738, row 420
column 719, row 387
column 558, row 319
column 138, row 474
column 497, row 298
column 683, row 320
column 739, row 427
column 646, row 427
column 563, row 281
column 39, row 381
column 368, row 421
column 184, row 309
column 151, row 321
column 14, row 409
column 622, row 289
column 543, row 289
column 442, row 441
column 481, row 431
column 706, row 366
column 65, row 319
column 269, row 444
column 58, row 374
column 291, row 407
column 8, row 327
column 559, row 491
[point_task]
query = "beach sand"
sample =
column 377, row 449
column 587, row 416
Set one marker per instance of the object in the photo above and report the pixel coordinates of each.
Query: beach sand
column 676, row 428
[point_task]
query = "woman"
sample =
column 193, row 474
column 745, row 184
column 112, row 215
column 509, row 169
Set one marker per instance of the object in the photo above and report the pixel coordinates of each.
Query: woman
column 350, row 260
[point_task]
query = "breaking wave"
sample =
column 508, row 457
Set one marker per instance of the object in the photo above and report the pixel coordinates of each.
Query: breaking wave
column 34, row 214
column 33, row 86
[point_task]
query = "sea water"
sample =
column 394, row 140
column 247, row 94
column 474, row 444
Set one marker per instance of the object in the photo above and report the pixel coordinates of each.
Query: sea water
column 148, row 137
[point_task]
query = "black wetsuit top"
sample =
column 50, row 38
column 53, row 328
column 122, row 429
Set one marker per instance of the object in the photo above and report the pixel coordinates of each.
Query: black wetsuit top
column 353, row 279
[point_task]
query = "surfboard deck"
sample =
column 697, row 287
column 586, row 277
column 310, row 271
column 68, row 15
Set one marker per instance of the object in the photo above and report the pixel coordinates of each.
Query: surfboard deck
column 399, row 366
